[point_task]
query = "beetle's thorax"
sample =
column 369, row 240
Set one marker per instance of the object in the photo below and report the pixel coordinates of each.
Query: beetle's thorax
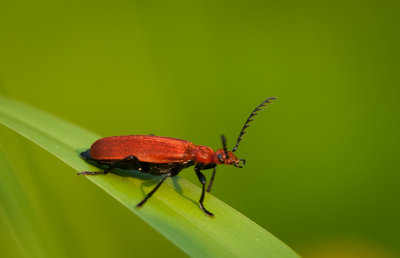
column 203, row 154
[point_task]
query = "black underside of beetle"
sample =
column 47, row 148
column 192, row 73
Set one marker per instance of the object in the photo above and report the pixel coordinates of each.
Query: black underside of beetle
column 132, row 162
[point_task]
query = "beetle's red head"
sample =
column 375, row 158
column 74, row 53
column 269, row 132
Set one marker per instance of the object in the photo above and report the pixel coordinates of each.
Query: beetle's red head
column 227, row 158
column 223, row 156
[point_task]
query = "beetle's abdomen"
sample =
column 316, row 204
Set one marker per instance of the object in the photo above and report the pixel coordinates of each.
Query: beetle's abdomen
column 146, row 148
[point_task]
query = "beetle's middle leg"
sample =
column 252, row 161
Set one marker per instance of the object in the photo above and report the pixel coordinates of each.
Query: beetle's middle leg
column 140, row 204
column 211, row 181
column 131, row 160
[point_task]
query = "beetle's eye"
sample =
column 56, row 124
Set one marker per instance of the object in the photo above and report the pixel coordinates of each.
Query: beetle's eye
column 219, row 156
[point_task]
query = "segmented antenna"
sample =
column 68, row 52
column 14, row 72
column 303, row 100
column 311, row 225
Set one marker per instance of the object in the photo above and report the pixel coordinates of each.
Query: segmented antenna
column 254, row 113
column 223, row 138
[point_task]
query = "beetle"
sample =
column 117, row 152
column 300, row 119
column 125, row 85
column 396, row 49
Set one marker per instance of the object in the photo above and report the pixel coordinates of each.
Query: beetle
column 166, row 156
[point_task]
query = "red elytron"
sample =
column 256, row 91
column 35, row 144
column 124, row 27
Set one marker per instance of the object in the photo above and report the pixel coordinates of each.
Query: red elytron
column 158, row 155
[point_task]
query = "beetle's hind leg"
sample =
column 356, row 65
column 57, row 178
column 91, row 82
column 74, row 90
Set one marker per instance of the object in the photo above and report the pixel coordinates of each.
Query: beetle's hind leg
column 132, row 160
column 140, row 204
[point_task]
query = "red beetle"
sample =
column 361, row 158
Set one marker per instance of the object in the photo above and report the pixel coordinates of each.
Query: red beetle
column 167, row 156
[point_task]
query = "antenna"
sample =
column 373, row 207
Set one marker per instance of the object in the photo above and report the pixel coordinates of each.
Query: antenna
column 223, row 138
column 250, row 119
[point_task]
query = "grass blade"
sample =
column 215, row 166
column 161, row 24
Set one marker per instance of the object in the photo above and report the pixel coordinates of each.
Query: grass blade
column 173, row 211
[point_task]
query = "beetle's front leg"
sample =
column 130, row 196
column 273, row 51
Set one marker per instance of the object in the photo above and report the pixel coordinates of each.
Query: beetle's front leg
column 202, row 180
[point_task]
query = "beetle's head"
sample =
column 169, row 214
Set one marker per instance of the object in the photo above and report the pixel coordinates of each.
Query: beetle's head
column 227, row 158
column 223, row 156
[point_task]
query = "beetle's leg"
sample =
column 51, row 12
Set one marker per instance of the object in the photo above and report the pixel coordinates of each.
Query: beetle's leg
column 211, row 181
column 115, row 165
column 202, row 180
column 140, row 204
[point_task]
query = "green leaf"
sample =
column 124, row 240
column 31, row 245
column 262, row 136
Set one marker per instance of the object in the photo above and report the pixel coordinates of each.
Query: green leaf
column 173, row 210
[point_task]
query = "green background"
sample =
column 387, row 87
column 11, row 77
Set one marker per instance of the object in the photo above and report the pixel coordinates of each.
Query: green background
column 322, row 170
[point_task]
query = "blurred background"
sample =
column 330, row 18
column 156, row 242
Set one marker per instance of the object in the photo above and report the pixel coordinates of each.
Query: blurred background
column 322, row 169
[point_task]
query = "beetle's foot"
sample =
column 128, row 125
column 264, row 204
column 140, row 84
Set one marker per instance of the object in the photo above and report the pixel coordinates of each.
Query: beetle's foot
column 205, row 210
column 140, row 204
